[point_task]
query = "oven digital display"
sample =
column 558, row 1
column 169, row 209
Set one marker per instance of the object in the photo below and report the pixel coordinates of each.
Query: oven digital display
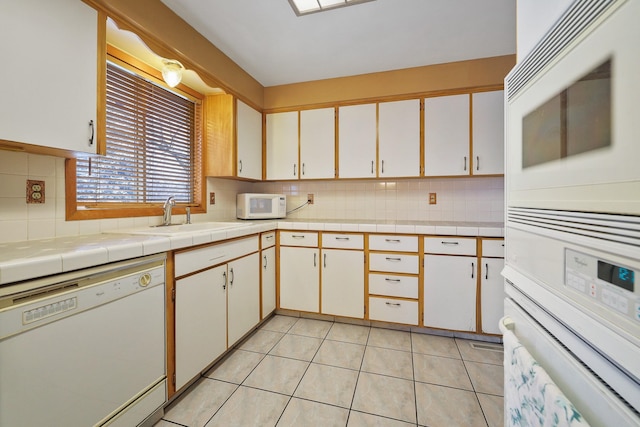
column 616, row 275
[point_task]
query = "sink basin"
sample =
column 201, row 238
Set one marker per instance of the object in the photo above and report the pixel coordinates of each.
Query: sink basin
column 176, row 229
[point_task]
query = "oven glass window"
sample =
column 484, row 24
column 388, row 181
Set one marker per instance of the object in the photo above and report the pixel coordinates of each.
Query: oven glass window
column 260, row 205
column 576, row 120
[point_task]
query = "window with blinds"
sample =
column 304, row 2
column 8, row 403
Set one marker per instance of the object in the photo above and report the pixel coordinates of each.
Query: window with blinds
column 151, row 136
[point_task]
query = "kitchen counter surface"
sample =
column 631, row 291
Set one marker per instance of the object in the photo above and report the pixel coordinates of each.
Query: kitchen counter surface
column 36, row 258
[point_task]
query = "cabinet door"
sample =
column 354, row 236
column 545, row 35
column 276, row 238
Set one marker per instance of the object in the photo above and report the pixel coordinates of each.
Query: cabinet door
column 243, row 303
column 299, row 279
column 450, row 292
column 446, row 135
column 488, row 133
column 268, row 281
column 399, row 138
column 357, row 141
column 343, row 283
column 491, row 294
column 48, row 95
column 249, row 142
column 201, row 322
column 282, row 145
column 317, row 143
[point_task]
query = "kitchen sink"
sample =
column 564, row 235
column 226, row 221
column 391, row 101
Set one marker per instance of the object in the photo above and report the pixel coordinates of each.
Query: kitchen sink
column 176, row 229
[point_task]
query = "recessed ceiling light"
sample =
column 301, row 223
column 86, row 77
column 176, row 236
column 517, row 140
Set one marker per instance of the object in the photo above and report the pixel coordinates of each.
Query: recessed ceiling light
column 304, row 7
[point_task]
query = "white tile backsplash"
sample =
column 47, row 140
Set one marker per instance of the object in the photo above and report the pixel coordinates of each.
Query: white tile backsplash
column 459, row 199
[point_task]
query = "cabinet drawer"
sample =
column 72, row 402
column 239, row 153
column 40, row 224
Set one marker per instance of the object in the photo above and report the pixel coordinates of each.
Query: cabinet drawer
column 393, row 263
column 493, row 248
column 268, row 239
column 393, row 310
column 298, row 238
column 342, row 241
column 197, row 259
column 393, row 286
column 393, row 243
column 450, row 245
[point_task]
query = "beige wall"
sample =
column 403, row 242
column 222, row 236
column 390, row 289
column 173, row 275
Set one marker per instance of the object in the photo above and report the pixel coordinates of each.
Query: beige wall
column 454, row 76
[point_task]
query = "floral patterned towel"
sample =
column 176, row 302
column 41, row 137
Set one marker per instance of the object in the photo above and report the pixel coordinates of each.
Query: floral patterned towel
column 532, row 399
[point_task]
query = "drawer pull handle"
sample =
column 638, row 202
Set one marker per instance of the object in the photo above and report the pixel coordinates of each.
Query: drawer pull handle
column 371, row 167
column 233, row 276
column 393, row 304
column 325, row 261
column 224, row 284
column 269, row 237
column 297, row 236
column 450, row 243
column 486, row 271
column 217, row 257
column 342, row 238
column 265, row 262
column 393, row 259
column 392, row 280
column 392, row 240
column 465, row 163
column 315, row 257
column 473, row 269
column 477, row 163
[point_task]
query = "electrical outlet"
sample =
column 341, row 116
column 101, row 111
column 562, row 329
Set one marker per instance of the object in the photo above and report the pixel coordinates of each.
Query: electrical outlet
column 212, row 198
column 35, row 191
column 432, row 198
column 310, row 198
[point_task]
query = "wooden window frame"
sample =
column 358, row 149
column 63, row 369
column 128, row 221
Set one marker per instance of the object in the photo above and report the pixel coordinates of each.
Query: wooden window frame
column 77, row 211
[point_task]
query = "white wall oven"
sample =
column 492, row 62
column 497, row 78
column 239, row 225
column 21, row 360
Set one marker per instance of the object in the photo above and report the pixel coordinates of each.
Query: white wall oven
column 573, row 207
column 572, row 120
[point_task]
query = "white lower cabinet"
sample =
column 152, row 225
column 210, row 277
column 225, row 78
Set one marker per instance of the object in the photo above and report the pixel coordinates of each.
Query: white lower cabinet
column 343, row 283
column 393, row 310
column 268, row 280
column 201, row 322
column 450, row 292
column 491, row 294
column 243, row 297
column 217, row 305
column 299, row 279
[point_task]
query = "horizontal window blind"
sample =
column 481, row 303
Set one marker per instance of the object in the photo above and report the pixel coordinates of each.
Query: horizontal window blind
column 150, row 140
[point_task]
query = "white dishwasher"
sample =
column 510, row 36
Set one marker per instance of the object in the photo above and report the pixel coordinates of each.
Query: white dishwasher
column 84, row 348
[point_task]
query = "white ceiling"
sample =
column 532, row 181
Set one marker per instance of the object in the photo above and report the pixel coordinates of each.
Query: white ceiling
column 275, row 46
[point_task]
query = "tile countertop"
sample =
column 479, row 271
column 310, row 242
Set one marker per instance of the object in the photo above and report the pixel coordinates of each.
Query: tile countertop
column 36, row 258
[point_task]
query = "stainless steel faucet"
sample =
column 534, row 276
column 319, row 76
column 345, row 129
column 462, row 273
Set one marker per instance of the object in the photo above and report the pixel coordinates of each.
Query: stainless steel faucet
column 168, row 204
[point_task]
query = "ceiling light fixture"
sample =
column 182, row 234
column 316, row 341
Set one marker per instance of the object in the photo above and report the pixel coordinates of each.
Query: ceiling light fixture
column 172, row 72
column 305, row 7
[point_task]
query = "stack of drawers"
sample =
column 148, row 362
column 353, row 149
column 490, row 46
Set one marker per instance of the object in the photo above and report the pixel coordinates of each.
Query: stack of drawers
column 393, row 278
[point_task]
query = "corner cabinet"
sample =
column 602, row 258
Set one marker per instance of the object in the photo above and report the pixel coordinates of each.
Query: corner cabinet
column 282, row 145
column 233, row 138
column 50, row 75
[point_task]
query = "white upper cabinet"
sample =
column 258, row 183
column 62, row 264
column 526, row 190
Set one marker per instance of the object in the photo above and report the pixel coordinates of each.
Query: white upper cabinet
column 282, row 145
column 317, row 143
column 488, row 132
column 399, row 138
column 357, row 141
column 249, row 142
column 446, row 135
column 49, row 91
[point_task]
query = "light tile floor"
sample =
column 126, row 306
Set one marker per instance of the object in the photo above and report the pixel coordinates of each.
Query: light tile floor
column 303, row 372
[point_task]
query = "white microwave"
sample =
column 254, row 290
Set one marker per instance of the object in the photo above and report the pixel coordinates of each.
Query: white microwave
column 572, row 127
column 261, row 206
